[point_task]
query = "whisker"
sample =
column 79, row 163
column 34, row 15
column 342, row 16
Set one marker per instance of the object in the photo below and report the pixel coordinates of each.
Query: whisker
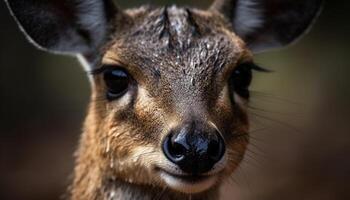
column 258, row 130
column 257, row 147
column 254, row 108
column 252, row 160
column 279, row 122
column 255, row 120
column 273, row 97
column 160, row 195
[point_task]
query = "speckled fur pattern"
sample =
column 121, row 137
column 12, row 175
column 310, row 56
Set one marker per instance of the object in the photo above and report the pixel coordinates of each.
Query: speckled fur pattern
column 181, row 59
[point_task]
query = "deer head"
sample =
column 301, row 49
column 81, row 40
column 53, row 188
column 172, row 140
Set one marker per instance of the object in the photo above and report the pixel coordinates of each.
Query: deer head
column 169, row 85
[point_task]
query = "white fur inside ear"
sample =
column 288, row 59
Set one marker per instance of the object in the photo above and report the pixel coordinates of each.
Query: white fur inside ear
column 248, row 17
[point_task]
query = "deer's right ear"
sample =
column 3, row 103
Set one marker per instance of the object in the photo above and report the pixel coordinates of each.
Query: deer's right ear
column 268, row 24
column 64, row 26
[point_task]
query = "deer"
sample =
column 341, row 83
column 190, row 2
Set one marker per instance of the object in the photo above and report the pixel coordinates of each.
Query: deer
column 167, row 118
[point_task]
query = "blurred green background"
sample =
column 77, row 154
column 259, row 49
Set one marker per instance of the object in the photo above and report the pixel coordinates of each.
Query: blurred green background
column 300, row 116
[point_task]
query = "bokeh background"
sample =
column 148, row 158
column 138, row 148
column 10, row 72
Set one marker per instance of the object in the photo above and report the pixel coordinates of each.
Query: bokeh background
column 300, row 114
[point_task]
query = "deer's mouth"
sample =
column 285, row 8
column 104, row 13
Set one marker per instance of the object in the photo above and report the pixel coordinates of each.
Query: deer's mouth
column 188, row 183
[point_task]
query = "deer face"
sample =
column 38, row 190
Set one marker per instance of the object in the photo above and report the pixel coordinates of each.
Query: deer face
column 169, row 85
column 168, row 80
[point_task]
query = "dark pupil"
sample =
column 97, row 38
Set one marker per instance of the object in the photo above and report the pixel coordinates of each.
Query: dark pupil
column 117, row 82
column 241, row 79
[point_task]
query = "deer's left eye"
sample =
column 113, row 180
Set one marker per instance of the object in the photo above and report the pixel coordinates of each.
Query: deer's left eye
column 241, row 79
column 117, row 82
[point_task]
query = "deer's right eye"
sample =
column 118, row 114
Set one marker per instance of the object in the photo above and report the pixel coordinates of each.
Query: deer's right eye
column 117, row 82
column 241, row 78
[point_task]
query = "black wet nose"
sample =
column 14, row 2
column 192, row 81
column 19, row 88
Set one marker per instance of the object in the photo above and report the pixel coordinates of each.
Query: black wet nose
column 194, row 151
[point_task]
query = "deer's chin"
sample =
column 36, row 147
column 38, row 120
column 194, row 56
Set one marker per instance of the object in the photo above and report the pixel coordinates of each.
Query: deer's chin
column 188, row 184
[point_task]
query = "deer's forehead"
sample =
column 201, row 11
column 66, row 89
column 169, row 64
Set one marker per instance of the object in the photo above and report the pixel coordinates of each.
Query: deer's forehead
column 176, row 40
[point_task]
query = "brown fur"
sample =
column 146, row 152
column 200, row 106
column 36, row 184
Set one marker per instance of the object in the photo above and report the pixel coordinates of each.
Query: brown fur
column 182, row 74
column 183, row 81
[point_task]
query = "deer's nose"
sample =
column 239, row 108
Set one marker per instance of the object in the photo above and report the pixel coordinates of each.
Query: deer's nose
column 194, row 151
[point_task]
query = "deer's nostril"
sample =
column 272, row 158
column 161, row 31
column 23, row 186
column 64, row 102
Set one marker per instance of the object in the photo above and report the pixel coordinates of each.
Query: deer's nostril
column 177, row 146
column 177, row 150
column 173, row 150
column 213, row 149
column 216, row 148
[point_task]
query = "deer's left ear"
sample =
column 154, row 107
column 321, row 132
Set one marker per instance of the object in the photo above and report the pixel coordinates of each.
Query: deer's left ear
column 64, row 26
column 267, row 24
